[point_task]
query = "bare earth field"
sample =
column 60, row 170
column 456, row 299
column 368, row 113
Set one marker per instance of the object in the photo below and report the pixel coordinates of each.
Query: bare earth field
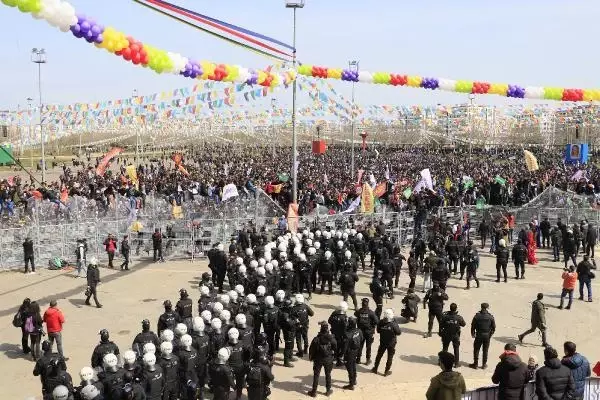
column 130, row 297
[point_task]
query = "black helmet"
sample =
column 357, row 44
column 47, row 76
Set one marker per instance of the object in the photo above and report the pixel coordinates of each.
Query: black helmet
column 146, row 324
column 206, row 276
column 104, row 335
column 46, row 345
column 167, row 304
column 183, row 293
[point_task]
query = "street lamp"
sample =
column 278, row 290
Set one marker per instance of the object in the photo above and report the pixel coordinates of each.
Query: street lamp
column 29, row 108
column 38, row 56
column 137, row 131
column 471, row 98
column 353, row 66
column 273, row 106
column 294, row 4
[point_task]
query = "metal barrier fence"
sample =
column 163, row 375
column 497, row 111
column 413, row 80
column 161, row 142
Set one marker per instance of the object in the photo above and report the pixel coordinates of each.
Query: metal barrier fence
column 592, row 391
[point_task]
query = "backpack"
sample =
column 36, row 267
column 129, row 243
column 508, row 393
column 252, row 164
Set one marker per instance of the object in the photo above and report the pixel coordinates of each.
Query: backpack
column 29, row 328
column 18, row 320
column 355, row 340
column 254, row 376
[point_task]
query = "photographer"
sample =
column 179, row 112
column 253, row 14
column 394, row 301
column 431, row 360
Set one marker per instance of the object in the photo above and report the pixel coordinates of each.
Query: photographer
column 569, row 277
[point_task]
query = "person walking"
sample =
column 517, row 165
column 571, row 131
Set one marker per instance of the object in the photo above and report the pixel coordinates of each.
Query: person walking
column 110, row 245
column 93, row 279
column 54, row 320
column 448, row 384
column 579, row 366
column 483, row 327
column 321, row 351
column 569, row 277
column 511, row 375
column 538, row 319
column 502, row 255
column 450, row 326
column 388, row 330
column 125, row 251
column 519, row 256
column 554, row 381
column 35, row 328
column 157, row 238
column 585, row 275
column 19, row 321
column 28, row 255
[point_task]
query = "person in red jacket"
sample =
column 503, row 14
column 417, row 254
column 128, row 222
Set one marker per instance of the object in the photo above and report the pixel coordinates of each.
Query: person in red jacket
column 54, row 320
column 569, row 277
column 110, row 244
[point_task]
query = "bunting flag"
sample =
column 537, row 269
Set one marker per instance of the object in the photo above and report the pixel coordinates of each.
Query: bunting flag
column 367, row 201
column 467, row 182
column 531, row 161
column 407, row 193
column 112, row 153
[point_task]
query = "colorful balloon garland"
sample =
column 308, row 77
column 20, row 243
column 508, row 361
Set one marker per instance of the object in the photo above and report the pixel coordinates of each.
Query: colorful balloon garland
column 61, row 14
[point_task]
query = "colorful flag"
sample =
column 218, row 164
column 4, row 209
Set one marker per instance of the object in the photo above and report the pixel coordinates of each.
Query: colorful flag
column 277, row 188
column 380, row 189
column 500, row 180
column 132, row 174
column 426, row 177
column 367, row 202
column 177, row 158
column 292, row 217
column 448, row 184
column 467, row 182
column 182, row 169
column 353, row 206
column 112, row 153
column 407, row 193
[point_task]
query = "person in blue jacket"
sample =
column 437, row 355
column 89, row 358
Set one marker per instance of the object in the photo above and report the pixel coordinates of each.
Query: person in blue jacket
column 579, row 366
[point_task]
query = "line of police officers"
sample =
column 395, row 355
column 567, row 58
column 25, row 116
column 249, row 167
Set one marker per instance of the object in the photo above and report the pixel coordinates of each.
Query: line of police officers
column 231, row 343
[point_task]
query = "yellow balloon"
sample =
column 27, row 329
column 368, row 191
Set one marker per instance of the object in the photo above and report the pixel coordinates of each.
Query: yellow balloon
column 414, row 81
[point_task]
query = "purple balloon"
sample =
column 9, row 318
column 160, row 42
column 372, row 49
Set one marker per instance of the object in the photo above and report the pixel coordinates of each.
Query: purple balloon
column 89, row 39
column 78, row 34
column 75, row 28
column 515, row 91
column 99, row 39
column 85, row 26
column 91, row 22
column 96, row 30
column 80, row 18
column 89, row 35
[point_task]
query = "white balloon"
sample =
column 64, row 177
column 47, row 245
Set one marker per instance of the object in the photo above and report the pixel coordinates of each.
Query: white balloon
column 365, row 76
column 37, row 16
column 447, row 85
column 244, row 75
column 534, row 92
column 65, row 28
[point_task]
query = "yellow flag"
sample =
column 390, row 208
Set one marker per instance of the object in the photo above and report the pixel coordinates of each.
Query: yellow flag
column 132, row 174
column 531, row 161
column 367, row 201
column 448, row 184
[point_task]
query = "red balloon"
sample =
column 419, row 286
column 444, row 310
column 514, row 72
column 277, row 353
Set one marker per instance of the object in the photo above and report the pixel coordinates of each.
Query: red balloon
column 134, row 47
column 145, row 59
column 136, row 58
column 119, row 52
column 126, row 53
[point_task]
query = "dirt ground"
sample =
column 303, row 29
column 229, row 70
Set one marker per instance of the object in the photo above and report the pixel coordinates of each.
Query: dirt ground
column 130, row 297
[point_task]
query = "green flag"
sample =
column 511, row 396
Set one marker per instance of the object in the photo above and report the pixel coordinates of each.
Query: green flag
column 407, row 193
column 480, row 203
column 500, row 180
column 283, row 177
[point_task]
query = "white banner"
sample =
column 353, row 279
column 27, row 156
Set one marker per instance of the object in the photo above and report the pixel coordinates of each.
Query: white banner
column 353, row 206
column 229, row 191
column 426, row 175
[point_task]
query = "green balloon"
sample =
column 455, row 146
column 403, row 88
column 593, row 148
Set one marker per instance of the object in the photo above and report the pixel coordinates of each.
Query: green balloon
column 10, row 3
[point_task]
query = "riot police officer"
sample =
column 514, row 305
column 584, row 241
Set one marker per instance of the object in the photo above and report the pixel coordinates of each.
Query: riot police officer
column 435, row 298
column 388, row 330
column 354, row 339
column 302, row 313
column 167, row 320
column 483, row 327
column 184, row 309
column 502, row 254
column 321, row 351
column 519, row 255
column 450, row 331
column 103, row 348
column 367, row 321
column 145, row 336
column 339, row 324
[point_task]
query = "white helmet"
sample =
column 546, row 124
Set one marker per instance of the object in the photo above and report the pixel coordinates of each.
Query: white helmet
column 216, row 323
column 302, row 257
column 149, row 359
column 217, row 308
column 269, row 267
column 359, row 236
column 224, row 299
column 297, row 250
column 60, row 393
column 269, row 301
column 261, row 262
column 352, row 232
column 283, row 255
column 338, row 234
column 240, row 320
column 204, row 291
column 233, row 334
column 242, row 269
column 327, row 235
column 340, row 244
column 186, row 340
column 389, row 314
column 220, row 247
column 282, row 247
column 347, row 231
column 93, row 261
column 308, row 242
column 167, row 335
column 180, row 329
column 87, row 373
column 110, row 360
column 239, row 289
column 501, row 243
column 311, row 235
column 253, row 264
column 251, row 298
column 288, row 265
column 345, row 236
column 206, row 316
column 327, row 255
column 280, row 294
column 317, row 245
column 198, row 324
column 225, row 315
column 348, row 254
column 268, row 256
column 260, row 290
column 249, row 251
column 312, row 251
column 223, row 355
column 89, row 392
column 318, row 233
column 129, row 358
column 166, row 348
column 299, row 298
column 275, row 263
column 343, row 306
column 260, row 271
column 149, row 348
column 239, row 261
column 233, row 295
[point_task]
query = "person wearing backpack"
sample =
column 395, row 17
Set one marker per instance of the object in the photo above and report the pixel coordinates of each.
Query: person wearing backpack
column 321, row 351
column 450, row 331
column 339, row 324
column 19, row 322
column 354, row 339
column 258, row 378
column 34, row 326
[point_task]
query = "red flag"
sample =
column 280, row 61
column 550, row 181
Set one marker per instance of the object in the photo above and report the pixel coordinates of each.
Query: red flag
column 183, row 170
column 177, row 158
column 380, row 189
column 112, row 153
column 64, row 195
column 597, row 369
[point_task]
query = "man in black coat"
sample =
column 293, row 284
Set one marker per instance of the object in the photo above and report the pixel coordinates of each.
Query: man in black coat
column 453, row 251
column 28, row 254
column 590, row 240
column 125, row 251
column 511, row 374
column 388, row 330
column 93, row 279
column 483, row 327
column 450, row 326
column 435, row 298
column 519, row 255
column 367, row 321
column 545, row 230
column 501, row 260
column 321, row 351
column 554, row 381
column 584, row 275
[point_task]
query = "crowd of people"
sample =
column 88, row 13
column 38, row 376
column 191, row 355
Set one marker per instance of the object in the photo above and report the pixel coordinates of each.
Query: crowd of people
column 460, row 176
column 256, row 297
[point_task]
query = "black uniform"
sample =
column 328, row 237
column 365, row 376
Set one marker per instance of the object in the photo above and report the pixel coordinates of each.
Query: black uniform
column 302, row 313
column 378, row 291
column 502, row 254
column 388, row 332
column 141, row 339
column 339, row 323
column 270, row 321
column 354, row 339
column 366, row 321
column 188, row 377
column 221, row 378
column 483, row 327
column 453, row 251
column 472, row 264
column 434, row 298
column 168, row 320
column 239, row 357
column 170, row 368
column 450, row 332
column 56, row 377
column 348, row 281
column 103, row 348
column 201, row 343
column 519, row 255
column 288, row 326
column 93, row 279
column 326, row 271
column 258, row 378
column 321, row 352
column 113, row 382
column 153, row 383
column 184, row 308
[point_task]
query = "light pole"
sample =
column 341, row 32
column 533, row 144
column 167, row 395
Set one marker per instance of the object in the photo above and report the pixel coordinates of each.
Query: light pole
column 29, row 109
column 353, row 65
column 471, row 98
column 294, row 4
column 137, row 131
column 38, row 56
column 273, row 106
